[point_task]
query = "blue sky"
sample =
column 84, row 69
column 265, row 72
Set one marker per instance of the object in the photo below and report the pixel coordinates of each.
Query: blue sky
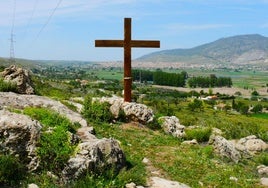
column 70, row 32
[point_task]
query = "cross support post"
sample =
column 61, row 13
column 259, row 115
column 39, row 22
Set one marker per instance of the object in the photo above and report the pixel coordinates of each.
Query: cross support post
column 127, row 44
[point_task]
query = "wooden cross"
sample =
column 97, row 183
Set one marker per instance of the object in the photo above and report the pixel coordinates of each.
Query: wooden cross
column 127, row 43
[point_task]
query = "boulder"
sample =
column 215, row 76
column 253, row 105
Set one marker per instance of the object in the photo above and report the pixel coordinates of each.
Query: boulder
column 19, row 135
column 19, row 76
column 115, row 102
column 225, row 148
column 251, row 144
column 171, row 125
column 138, row 112
column 14, row 100
column 133, row 111
column 95, row 155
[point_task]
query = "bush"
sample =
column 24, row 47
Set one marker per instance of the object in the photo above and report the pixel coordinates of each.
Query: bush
column 257, row 108
column 11, row 170
column 255, row 93
column 200, row 134
column 8, row 86
column 96, row 111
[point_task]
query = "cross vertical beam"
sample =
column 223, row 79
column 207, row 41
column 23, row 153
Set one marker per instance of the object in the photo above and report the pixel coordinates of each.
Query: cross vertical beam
column 127, row 60
column 127, row 44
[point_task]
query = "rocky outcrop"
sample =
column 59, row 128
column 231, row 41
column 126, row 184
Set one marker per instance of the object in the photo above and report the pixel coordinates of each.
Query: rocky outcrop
column 251, row 145
column 19, row 76
column 19, row 135
column 94, row 156
column 133, row 111
column 14, row 100
column 225, row 148
column 237, row 149
column 138, row 112
column 171, row 125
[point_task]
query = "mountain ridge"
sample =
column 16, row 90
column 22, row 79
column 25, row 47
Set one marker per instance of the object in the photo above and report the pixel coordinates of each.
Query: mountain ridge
column 239, row 49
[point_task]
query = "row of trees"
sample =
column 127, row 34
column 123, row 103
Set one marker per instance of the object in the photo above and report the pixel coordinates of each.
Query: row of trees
column 179, row 79
column 211, row 81
column 161, row 78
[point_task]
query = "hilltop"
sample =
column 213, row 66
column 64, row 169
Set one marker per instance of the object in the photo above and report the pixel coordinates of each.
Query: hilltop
column 236, row 50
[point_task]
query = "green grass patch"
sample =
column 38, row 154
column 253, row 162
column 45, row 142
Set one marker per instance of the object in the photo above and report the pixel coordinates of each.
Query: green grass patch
column 260, row 115
column 200, row 134
column 54, row 147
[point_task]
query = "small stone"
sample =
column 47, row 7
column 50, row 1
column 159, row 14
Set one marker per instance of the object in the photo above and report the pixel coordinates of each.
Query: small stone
column 145, row 160
column 51, row 175
column 32, row 185
column 201, row 183
column 233, row 179
column 157, row 182
column 131, row 185
column 190, row 142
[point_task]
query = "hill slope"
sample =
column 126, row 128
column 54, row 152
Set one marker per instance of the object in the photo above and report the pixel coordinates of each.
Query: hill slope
column 242, row 49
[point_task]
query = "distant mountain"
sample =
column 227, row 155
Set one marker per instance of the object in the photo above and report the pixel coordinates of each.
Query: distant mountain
column 242, row 49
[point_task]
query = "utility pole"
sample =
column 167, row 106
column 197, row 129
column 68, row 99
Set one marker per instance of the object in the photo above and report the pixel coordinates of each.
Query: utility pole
column 12, row 51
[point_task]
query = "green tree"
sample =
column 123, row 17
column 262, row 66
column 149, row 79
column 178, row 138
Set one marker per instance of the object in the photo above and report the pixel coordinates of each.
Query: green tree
column 255, row 93
column 257, row 108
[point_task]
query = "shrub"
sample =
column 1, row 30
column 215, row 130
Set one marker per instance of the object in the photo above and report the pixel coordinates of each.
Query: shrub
column 11, row 170
column 7, row 86
column 255, row 93
column 257, row 108
column 96, row 111
column 200, row 134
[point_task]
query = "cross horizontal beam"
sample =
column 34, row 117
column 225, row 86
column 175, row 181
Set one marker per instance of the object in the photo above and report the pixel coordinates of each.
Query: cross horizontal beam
column 133, row 43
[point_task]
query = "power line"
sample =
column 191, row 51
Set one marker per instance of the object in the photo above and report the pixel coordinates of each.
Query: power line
column 31, row 17
column 48, row 20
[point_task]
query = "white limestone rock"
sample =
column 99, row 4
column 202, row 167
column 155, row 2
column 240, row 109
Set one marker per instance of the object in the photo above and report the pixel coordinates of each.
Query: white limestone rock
column 14, row 100
column 156, row 182
column 171, row 125
column 225, row 148
column 19, row 136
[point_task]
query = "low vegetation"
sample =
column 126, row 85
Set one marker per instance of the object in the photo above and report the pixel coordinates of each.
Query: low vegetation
column 236, row 116
column 7, row 86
